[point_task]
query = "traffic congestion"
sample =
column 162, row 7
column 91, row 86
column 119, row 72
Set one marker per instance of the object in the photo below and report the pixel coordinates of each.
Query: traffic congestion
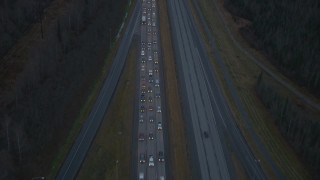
column 151, row 155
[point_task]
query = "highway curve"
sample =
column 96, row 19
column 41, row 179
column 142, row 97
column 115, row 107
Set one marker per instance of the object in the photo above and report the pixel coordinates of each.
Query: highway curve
column 208, row 117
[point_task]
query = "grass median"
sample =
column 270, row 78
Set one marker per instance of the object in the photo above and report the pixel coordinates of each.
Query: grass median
column 180, row 161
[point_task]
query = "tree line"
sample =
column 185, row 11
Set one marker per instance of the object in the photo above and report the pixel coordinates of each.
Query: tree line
column 288, row 32
column 61, row 69
column 15, row 18
column 299, row 126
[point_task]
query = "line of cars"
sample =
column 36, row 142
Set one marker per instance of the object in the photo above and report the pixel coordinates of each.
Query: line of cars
column 151, row 155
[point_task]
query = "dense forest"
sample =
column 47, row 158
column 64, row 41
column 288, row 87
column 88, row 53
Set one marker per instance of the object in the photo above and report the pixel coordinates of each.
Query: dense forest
column 300, row 127
column 15, row 18
column 35, row 113
column 288, row 32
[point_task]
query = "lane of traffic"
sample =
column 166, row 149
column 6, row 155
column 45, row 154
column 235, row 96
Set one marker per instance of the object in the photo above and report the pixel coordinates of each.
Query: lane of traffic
column 151, row 163
column 212, row 163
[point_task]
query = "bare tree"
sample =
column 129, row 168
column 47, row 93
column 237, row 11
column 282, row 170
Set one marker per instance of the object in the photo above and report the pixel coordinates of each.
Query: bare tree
column 6, row 124
column 19, row 140
column 6, row 164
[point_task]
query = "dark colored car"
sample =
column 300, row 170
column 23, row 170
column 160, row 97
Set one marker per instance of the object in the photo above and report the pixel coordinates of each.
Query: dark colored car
column 151, row 136
column 161, row 156
column 142, row 98
column 205, row 133
column 142, row 158
column 141, row 137
column 150, row 79
column 142, row 109
column 143, row 90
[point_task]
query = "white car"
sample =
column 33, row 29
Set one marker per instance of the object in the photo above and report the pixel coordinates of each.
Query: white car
column 142, row 53
column 143, row 67
column 159, row 109
column 141, row 176
column 151, row 161
column 150, row 58
column 141, row 119
column 159, row 126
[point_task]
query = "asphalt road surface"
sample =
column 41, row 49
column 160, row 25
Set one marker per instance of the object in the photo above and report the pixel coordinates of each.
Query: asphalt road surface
column 79, row 150
column 243, row 113
column 150, row 160
column 208, row 116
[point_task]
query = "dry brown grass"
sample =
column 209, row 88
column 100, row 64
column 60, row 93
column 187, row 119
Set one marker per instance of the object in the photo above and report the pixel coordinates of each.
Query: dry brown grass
column 181, row 168
column 113, row 140
column 244, row 73
column 87, row 105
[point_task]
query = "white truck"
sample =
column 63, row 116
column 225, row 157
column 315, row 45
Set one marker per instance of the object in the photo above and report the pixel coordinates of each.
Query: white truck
column 143, row 19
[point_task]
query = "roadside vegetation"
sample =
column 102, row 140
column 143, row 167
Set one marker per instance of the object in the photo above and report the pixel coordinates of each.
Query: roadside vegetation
column 180, row 160
column 287, row 32
column 48, row 84
column 110, row 154
column 245, row 73
column 15, row 18
column 300, row 126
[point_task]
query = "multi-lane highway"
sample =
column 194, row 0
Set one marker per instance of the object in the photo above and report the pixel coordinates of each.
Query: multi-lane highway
column 150, row 158
column 211, row 157
column 209, row 119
